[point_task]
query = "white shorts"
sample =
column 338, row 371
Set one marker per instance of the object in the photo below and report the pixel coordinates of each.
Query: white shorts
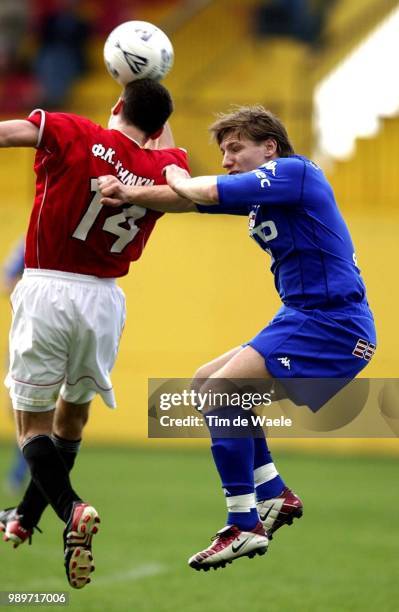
column 64, row 339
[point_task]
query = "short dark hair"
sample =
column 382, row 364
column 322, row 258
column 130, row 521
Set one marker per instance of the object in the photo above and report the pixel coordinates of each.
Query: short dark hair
column 147, row 105
column 255, row 123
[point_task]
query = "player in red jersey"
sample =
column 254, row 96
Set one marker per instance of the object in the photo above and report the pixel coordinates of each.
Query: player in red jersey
column 68, row 313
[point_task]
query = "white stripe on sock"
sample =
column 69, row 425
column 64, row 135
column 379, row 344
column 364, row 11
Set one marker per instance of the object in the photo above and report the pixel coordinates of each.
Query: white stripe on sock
column 241, row 503
column 264, row 473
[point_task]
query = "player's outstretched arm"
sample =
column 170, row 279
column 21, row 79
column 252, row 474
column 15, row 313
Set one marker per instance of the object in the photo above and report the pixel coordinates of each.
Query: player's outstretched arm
column 164, row 141
column 18, row 133
column 201, row 189
column 158, row 197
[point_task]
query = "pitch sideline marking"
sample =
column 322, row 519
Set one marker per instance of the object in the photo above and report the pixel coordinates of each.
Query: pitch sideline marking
column 134, row 573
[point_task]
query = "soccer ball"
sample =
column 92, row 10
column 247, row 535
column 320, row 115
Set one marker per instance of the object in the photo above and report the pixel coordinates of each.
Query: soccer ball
column 138, row 50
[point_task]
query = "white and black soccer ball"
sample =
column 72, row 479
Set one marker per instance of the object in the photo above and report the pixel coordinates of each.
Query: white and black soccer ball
column 138, row 50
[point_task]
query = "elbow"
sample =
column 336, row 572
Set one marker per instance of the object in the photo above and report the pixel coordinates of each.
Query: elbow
column 213, row 195
column 183, row 206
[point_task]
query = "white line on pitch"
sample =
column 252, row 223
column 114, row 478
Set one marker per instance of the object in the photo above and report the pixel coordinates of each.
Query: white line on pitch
column 134, row 573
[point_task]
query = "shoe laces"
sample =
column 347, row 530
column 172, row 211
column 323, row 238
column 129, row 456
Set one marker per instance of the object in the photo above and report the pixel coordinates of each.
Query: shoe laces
column 73, row 539
column 226, row 533
column 31, row 530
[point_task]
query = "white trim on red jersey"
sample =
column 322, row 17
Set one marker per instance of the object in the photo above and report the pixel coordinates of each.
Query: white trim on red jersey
column 42, row 124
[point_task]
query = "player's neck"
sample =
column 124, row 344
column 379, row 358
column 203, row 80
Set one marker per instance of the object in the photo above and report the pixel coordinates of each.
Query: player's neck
column 130, row 131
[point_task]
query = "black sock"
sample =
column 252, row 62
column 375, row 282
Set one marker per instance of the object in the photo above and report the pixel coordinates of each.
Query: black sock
column 68, row 449
column 50, row 474
column 34, row 503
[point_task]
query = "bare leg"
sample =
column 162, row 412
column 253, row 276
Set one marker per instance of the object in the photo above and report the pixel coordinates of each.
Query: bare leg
column 70, row 419
column 30, row 424
column 208, row 369
column 246, row 363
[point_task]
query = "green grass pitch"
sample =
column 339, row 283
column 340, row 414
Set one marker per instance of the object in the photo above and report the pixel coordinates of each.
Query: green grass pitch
column 158, row 506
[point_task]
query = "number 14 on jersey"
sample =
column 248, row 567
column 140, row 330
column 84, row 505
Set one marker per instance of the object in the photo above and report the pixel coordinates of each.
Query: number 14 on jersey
column 112, row 224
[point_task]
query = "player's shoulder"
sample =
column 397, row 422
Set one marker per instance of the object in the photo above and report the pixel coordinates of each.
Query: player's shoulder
column 304, row 162
column 281, row 170
column 171, row 151
column 77, row 120
column 279, row 166
column 295, row 165
column 57, row 120
column 172, row 155
column 292, row 162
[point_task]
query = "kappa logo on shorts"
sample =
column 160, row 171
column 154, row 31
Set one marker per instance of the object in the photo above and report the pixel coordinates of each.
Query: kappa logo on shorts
column 285, row 362
column 364, row 349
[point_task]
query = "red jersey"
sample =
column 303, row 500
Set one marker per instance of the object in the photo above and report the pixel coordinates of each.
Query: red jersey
column 69, row 229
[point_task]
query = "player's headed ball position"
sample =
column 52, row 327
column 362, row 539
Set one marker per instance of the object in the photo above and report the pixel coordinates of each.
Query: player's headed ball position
column 138, row 50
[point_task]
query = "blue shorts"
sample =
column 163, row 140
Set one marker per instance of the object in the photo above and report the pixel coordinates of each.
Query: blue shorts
column 317, row 344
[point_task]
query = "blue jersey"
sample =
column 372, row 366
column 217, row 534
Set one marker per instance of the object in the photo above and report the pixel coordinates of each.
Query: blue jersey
column 294, row 217
column 14, row 266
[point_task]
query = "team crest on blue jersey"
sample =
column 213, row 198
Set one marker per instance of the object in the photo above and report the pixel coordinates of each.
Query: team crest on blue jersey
column 270, row 165
column 252, row 220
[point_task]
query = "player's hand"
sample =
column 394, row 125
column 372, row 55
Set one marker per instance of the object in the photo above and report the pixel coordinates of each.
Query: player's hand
column 113, row 192
column 174, row 174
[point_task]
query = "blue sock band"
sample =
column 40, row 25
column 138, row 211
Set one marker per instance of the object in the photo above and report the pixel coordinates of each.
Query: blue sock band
column 262, row 457
column 244, row 520
column 234, row 460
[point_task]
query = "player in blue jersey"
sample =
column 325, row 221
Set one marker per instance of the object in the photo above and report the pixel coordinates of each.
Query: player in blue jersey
column 324, row 328
column 12, row 272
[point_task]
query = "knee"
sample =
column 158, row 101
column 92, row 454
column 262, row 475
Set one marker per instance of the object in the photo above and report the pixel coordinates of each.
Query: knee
column 201, row 375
